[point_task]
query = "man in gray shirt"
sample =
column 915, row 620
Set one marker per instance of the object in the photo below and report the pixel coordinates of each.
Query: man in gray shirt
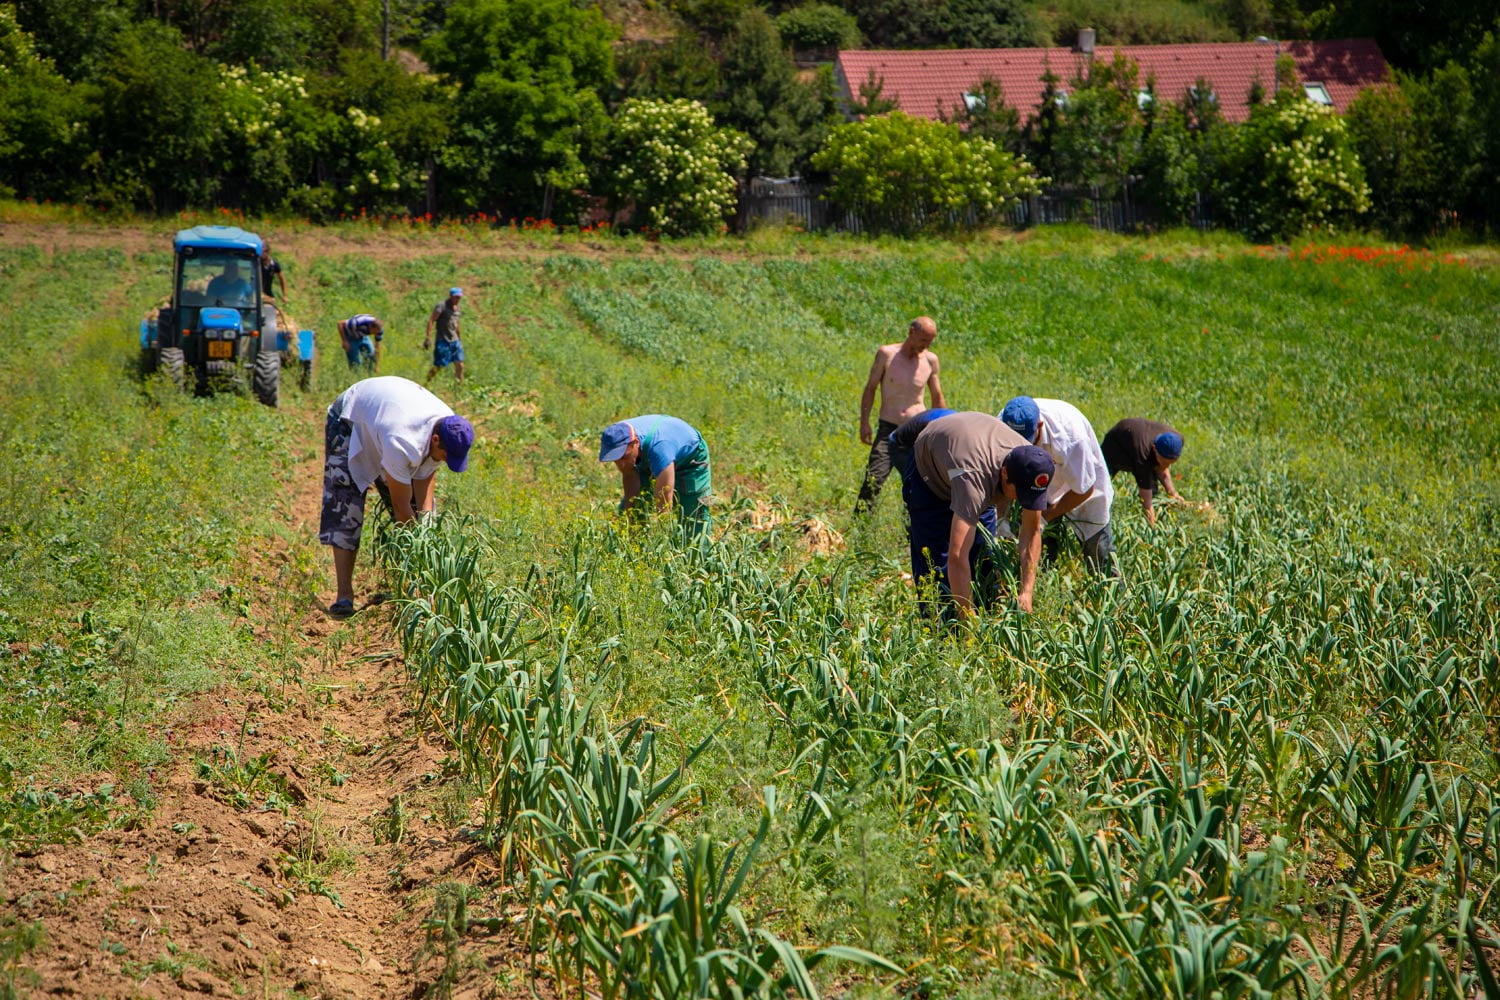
column 965, row 464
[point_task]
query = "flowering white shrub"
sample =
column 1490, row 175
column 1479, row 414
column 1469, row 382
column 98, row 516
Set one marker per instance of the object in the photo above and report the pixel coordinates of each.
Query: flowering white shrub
column 1293, row 170
column 677, row 166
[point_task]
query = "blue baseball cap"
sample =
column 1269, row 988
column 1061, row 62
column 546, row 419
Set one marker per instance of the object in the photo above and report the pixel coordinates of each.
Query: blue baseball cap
column 455, row 291
column 614, row 441
column 456, row 435
column 1168, row 445
column 1030, row 471
column 1022, row 416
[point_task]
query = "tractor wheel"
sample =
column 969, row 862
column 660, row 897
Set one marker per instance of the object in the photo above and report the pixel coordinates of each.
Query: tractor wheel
column 267, row 377
column 170, row 359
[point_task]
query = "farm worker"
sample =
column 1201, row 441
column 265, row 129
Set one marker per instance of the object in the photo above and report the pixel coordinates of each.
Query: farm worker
column 270, row 269
column 903, row 373
column 449, row 350
column 671, row 455
column 965, row 464
column 352, row 334
column 229, row 286
column 904, row 437
column 1146, row 449
column 1080, row 491
column 386, row 432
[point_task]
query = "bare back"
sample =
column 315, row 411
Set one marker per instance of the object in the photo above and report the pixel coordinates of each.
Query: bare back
column 903, row 382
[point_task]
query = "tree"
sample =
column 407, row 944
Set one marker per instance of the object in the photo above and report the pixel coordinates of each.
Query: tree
column 1168, row 167
column 1293, row 169
column 75, row 36
column 872, row 99
column 984, row 114
column 759, row 93
column 159, row 135
column 901, row 174
column 818, row 27
column 676, row 165
column 1100, row 127
column 961, row 24
column 529, row 73
column 40, row 114
column 679, row 67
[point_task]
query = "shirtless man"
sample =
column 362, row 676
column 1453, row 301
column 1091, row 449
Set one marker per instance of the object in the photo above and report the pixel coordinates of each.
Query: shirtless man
column 903, row 372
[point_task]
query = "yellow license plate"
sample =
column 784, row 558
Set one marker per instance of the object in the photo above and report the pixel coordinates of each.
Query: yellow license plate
column 221, row 348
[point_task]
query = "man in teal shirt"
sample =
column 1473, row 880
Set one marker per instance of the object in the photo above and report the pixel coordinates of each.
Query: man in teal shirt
column 669, row 454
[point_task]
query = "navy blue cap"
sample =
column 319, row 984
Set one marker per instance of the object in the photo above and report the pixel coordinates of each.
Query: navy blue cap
column 1022, row 416
column 1168, row 445
column 1030, row 471
column 614, row 441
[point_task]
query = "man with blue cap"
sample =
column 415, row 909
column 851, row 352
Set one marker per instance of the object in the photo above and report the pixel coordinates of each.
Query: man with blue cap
column 448, row 350
column 1080, row 492
column 670, row 455
column 963, row 465
column 390, row 433
column 1146, row 449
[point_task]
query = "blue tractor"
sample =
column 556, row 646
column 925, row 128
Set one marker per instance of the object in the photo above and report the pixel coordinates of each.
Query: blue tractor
column 217, row 327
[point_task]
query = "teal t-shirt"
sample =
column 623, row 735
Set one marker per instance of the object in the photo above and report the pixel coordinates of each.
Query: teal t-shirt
column 664, row 440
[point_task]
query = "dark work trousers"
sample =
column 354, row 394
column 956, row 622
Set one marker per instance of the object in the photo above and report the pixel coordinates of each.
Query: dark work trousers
column 931, row 521
column 877, row 469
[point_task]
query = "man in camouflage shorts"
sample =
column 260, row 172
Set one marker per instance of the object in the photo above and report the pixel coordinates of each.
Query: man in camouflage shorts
column 392, row 434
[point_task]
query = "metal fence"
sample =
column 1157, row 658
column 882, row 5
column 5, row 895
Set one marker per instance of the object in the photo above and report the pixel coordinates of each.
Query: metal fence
column 792, row 201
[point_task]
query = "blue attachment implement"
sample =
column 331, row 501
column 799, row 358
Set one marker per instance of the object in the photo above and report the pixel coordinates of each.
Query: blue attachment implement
column 148, row 332
column 305, row 345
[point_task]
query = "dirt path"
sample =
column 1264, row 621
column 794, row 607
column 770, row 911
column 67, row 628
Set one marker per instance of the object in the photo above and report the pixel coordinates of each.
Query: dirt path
column 318, row 881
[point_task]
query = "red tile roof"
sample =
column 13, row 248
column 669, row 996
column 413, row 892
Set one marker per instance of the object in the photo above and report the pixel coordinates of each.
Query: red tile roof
column 927, row 82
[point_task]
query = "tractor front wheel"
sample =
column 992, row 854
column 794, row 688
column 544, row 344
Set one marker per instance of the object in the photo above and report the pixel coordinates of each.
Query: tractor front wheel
column 171, row 362
column 266, row 378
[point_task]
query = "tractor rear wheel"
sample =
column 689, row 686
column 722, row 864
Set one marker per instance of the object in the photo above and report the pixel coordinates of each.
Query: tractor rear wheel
column 266, row 378
column 172, row 363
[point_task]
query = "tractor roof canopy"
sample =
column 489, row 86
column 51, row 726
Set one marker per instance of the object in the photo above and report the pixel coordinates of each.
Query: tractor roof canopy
column 217, row 238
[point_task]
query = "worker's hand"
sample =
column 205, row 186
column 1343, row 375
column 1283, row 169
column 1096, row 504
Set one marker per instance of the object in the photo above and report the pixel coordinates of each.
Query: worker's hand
column 426, row 344
column 1023, row 601
column 866, row 435
column 1004, row 530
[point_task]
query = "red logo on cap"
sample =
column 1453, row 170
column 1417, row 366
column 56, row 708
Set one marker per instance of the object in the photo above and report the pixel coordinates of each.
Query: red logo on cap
column 1041, row 481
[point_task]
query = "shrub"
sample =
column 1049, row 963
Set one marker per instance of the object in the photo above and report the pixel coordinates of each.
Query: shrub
column 677, row 165
column 818, row 26
column 902, row 173
column 1293, row 169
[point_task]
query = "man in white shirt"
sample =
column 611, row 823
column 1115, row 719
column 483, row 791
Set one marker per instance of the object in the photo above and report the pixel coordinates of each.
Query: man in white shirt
column 1080, row 490
column 390, row 433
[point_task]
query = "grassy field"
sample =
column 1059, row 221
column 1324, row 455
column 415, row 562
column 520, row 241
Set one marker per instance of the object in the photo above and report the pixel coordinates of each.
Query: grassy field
column 1266, row 764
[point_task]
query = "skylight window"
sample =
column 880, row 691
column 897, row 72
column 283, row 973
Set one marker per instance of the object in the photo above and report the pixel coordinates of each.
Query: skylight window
column 974, row 102
column 1317, row 93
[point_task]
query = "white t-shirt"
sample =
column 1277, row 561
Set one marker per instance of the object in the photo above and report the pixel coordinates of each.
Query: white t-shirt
column 393, row 420
column 1068, row 437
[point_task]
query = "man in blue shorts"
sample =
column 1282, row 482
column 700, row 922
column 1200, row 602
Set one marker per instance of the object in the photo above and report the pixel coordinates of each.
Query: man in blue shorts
column 361, row 336
column 670, row 455
column 448, row 350
column 963, row 464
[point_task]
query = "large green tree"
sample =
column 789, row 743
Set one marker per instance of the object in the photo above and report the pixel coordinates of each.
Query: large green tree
column 761, row 96
column 40, row 119
column 529, row 74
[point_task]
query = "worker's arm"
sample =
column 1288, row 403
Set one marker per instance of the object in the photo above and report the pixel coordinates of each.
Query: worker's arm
column 630, row 479
column 401, row 500
column 1065, row 504
column 281, row 279
column 960, row 579
column 1030, row 552
column 1165, row 475
column 427, row 339
column 421, row 495
column 344, row 333
column 1146, row 507
column 867, row 398
column 666, row 483
column 935, row 387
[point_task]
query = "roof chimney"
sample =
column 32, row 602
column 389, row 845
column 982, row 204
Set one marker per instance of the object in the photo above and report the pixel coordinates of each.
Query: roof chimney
column 1085, row 41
